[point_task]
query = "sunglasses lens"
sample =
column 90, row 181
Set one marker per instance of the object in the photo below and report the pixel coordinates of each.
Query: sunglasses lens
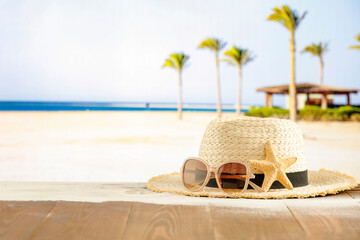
column 232, row 177
column 194, row 174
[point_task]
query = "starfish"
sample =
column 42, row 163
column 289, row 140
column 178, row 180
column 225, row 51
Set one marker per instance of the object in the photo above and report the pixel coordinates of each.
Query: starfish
column 273, row 168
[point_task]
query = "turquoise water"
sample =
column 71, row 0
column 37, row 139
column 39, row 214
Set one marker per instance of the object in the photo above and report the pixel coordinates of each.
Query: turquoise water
column 96, row 106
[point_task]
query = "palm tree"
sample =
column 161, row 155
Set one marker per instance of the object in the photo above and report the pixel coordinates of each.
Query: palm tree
column 177, row 62
column 318, row 50
column 215, row 45
column 357, row 37
column 238, row 57
column 290, row 20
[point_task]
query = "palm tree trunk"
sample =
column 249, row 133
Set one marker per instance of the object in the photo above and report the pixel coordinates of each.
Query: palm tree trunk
column 238, row 106
column 292, row 86
column 180, row 98
column 321, row 71
column 218, row 87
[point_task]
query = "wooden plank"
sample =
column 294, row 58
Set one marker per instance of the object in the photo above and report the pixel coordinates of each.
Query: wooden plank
column 258, row 219
column 82, row 220
column 356, row 188
column 153, row 221
column 354, row 194
column 335, row 216
column 19, row 219
column 81, row 191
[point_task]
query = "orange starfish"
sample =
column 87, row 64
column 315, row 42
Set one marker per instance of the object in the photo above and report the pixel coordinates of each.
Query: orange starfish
column 273, row 168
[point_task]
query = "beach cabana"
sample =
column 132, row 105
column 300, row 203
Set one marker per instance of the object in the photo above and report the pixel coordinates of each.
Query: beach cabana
column 307, row 88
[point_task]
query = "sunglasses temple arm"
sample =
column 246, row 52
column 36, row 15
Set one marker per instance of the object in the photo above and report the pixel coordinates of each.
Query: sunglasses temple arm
column 256, row 187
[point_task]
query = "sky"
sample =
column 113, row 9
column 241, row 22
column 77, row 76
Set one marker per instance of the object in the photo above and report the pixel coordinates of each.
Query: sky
column 113, row 50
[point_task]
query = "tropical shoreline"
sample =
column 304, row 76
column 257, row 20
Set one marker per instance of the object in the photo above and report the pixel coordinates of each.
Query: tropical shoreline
column 110, row 106
column 95, row 146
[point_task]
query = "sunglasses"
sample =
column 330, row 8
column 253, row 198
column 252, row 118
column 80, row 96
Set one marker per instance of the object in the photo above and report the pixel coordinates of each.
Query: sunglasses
column 230, row 176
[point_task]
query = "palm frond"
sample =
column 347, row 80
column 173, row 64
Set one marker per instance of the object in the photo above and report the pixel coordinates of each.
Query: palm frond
column 184, row 60
column 238, row 56
column 176, row 61
column 214, row 44
column 357, row 37
column 317, row 49
column 229, row 61
column 299, row 20
column 287, row 17
column 169, row 63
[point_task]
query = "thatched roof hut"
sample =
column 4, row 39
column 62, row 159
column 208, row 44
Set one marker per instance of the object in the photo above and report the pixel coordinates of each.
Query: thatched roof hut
column 307, row 88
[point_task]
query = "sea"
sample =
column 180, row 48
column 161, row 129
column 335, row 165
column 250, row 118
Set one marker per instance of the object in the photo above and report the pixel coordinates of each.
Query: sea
column 110, row 106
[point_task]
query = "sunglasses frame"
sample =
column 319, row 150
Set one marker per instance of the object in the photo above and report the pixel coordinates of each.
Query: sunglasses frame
column 215, row 170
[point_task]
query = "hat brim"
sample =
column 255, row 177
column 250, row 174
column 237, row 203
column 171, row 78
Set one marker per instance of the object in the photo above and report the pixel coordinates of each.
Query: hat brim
column 321, row 183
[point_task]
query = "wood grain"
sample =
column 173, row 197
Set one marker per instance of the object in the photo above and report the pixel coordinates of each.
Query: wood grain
column 152, row 221
column 273, row 221
column 19, row 219
column 81, row 220
column 354, row 193
column 335, row 216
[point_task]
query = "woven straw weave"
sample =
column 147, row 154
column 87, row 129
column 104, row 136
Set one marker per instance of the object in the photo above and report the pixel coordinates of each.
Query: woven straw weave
column 244, row 139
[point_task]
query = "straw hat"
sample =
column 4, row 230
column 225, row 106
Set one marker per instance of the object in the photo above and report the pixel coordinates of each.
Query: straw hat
column 249, row 140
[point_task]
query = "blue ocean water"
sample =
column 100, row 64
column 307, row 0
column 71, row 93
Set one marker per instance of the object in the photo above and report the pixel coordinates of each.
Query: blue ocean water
column 106, row 106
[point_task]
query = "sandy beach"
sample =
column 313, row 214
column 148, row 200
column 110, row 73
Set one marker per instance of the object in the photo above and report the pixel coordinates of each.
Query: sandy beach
column 134, row 146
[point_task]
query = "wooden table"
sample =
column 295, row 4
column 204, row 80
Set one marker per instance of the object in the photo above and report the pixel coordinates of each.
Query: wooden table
column 331, row 217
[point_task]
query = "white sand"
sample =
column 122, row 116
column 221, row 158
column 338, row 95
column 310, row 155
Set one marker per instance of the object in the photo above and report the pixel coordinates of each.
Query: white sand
column 134, row 146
